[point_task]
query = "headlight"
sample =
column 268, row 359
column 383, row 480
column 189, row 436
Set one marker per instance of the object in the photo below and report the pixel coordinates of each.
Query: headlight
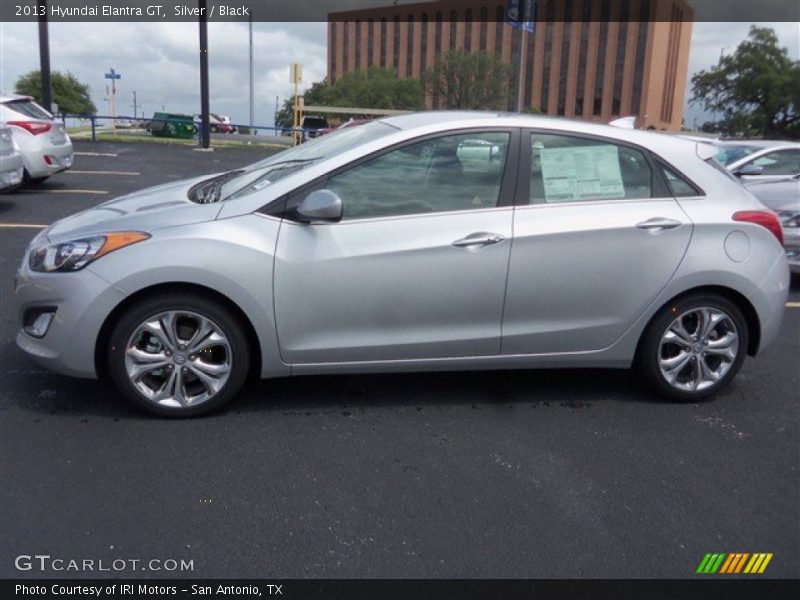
column 789, row 218
column 76, row 254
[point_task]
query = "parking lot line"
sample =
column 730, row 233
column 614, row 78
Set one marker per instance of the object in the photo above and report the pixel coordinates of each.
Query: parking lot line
column 22, row 225
column 793, row 304
column 102, row 172
column 94, row 154
column 62, row 192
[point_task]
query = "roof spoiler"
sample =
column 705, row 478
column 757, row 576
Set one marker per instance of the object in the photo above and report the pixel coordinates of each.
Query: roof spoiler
column 624, row 122
column 706, row 150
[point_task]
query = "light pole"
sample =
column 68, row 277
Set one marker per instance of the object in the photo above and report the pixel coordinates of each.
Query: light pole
column 205, row 134
column 252, row 92
column 44, row 57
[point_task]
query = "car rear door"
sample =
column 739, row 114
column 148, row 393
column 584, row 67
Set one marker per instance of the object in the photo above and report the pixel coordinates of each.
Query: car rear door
column 597, row 236
column 417, row 267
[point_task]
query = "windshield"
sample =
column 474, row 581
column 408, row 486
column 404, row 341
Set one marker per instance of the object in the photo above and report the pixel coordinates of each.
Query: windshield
column 730, row 154
column 259, row 175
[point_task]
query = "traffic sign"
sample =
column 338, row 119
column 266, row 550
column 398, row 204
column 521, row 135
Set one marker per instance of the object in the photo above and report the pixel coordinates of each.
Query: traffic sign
column 112, row 74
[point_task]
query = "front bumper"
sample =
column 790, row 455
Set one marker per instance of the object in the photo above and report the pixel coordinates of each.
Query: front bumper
column 82, row 300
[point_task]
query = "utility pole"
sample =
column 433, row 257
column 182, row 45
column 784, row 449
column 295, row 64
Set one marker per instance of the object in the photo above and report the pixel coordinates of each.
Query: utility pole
column 252, row 91
column 136, row 106
column 44, row 57
column 205, row 133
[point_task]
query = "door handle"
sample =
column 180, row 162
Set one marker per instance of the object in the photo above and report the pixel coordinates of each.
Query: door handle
column 658, row 224
column 480, row 238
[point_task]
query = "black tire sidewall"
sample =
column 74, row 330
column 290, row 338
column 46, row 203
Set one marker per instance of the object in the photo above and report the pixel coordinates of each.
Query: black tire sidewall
column 137, row 313
column 648, row 355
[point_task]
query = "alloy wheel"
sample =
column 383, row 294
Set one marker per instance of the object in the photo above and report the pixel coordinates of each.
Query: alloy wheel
column 698, row 349
column 178, row 359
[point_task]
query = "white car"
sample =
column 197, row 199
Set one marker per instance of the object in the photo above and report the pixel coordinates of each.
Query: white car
column 760, row 160
column 43, row 142
column 10, row 161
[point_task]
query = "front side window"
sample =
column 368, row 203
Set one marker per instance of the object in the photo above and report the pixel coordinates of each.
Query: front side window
column 573, row 169
column 780, row 162
column 449, row 173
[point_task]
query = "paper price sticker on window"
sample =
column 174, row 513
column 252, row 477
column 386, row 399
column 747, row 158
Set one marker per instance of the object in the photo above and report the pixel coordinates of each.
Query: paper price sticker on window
column 581, row 173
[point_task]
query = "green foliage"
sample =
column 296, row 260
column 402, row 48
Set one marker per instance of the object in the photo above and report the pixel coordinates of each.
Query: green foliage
column 464, row 80
column 757, row 88
column 71, row 95
column 376, row 87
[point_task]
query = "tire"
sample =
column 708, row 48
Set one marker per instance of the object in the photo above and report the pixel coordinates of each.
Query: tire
column 710, row 362
column 138, row 343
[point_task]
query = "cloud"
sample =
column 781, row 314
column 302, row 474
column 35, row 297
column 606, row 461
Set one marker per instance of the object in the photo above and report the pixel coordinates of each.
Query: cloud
column 160, row 60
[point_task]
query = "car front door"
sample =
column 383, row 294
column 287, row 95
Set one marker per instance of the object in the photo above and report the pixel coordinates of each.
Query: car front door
column 417, row 266
column 597, row 238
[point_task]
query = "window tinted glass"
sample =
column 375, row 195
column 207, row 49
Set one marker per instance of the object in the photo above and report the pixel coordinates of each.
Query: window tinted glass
column 781, row 162
column 678, row 185
column 730, row 154
column 571, row 169
column 457, row 172
column 29, row 109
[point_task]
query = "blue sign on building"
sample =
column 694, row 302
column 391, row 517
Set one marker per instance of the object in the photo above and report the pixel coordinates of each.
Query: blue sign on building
column 520, row 13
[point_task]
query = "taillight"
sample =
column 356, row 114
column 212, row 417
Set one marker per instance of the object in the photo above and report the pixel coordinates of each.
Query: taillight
column 33, row 127
column 765, row 218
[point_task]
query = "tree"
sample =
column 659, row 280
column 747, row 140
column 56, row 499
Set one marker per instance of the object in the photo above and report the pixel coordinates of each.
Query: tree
column 757, row 88
column 464, row 80
column 71, row 95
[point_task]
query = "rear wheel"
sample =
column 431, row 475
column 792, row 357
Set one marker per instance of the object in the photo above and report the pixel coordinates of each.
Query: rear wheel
column 694, row 347
column 179, row 355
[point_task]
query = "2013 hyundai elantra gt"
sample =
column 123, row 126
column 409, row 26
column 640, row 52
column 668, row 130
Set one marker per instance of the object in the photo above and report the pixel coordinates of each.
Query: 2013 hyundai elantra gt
column 432, row 241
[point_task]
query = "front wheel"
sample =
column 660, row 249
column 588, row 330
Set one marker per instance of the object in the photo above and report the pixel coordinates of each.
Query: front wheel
column 178, row 355
column 694, row 347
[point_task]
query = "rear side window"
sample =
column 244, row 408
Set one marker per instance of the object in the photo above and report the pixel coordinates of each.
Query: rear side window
column 29, row 109
column 573, row 169
column 679, row 185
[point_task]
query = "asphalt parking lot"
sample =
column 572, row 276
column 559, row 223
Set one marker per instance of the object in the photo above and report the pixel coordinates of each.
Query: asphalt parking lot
column 542, row 474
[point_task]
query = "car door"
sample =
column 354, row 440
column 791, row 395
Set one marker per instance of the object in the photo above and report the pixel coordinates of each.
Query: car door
column 417, row 266
column 597, row 236
column 775, row 165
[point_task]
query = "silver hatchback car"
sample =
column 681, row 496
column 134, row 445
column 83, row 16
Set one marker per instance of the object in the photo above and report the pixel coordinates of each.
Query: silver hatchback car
column 432, row 241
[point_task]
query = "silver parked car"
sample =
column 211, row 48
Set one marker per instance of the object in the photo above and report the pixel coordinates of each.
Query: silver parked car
column 756, row 160
column 783, row 197
column 10, row 161
column 394, row 246
column 43, row 142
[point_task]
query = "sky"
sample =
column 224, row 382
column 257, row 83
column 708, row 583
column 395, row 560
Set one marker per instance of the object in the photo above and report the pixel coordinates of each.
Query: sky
column 160, row 61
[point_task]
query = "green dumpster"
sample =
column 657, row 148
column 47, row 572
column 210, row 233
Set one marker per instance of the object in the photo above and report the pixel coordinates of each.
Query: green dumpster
column 172, row 125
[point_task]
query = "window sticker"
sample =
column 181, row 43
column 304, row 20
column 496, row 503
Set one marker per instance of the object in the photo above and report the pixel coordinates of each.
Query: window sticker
column 581, row 173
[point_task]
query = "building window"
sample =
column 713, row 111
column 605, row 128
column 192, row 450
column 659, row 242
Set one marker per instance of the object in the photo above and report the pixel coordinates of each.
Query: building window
column 565, row 40
column 641, row 46
column 582, row 58
column 359, row 55
column 437, row 35
column 498, row 31
column 468, row 30
column 484, row 27
column 453, row 29
column 622, row 40
column 333, row 52
column 370, row 41
column 346, row 44
column 383, row 42
column 424, row 44
column 410, row 46
column 548, row 55
column 396, row 44
column 597, row 105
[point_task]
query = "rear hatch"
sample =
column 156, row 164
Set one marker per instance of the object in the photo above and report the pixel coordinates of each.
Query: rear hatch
column 30, row 111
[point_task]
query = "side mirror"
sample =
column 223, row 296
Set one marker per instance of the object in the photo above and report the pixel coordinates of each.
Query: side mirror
column 321, row 206
column 749, row 170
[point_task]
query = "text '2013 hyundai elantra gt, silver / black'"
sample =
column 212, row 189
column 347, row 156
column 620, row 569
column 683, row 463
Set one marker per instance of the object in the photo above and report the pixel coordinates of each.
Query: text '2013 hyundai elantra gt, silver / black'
column 431, row 241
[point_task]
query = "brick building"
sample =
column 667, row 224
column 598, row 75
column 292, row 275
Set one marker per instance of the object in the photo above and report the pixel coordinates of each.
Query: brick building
column 594, row 59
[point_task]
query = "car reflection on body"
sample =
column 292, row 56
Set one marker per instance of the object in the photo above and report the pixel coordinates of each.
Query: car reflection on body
column 398, row 246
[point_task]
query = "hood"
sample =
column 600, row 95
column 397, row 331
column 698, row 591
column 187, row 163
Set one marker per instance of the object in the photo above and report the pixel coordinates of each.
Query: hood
column 147, row 210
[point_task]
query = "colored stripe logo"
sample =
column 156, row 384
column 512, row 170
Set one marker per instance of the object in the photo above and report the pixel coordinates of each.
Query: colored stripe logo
column 734, row 563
